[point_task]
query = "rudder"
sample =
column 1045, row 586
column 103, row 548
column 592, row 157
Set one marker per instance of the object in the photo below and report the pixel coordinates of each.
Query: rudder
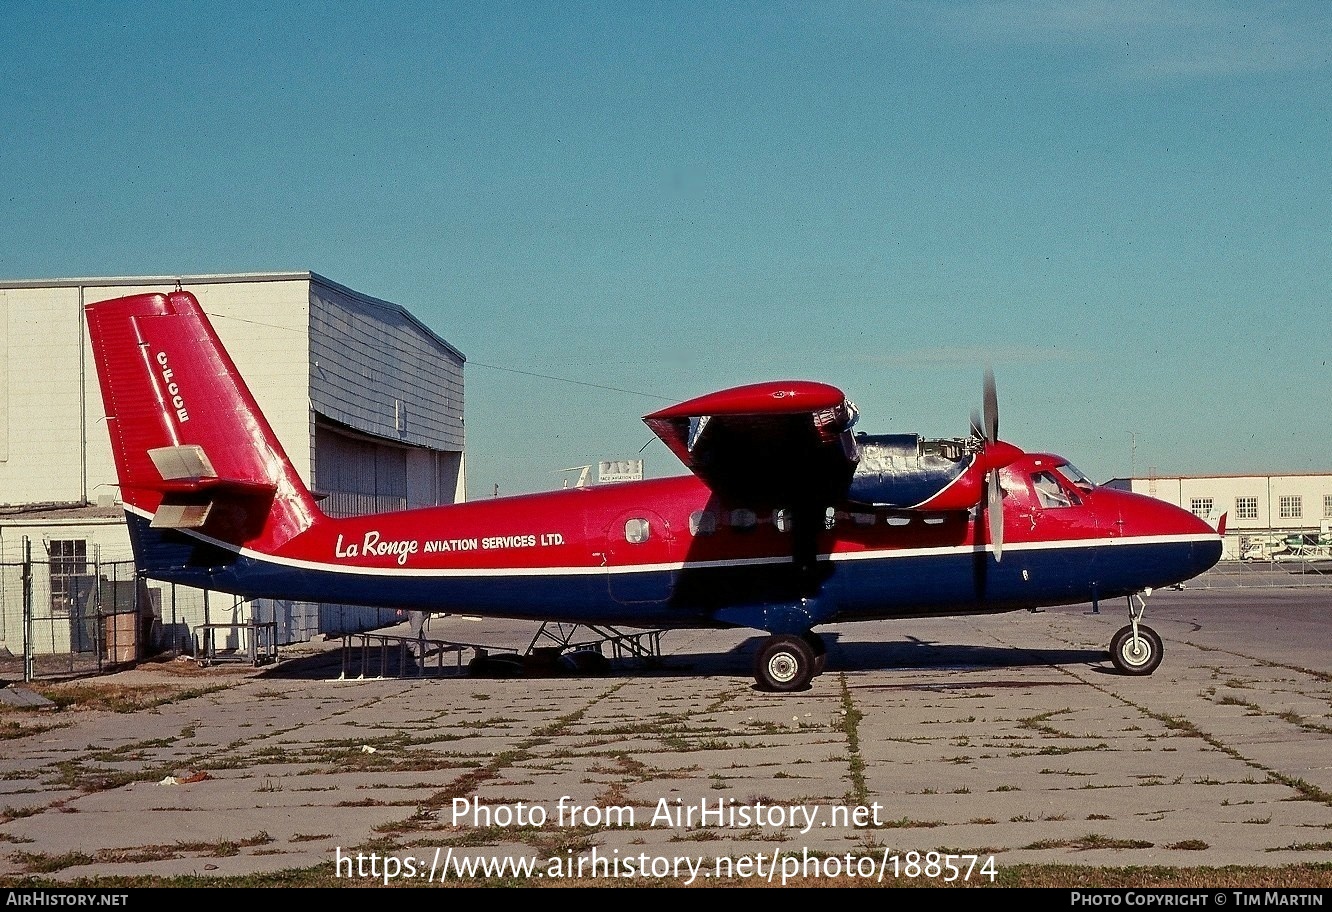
column 191, row 447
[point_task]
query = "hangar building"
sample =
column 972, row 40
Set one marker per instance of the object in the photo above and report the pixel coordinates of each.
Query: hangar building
column 1263, row 512
column 366, row 400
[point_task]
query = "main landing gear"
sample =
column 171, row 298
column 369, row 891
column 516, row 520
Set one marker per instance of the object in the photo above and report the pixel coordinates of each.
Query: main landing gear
column 1136, row 649
column 788, row 662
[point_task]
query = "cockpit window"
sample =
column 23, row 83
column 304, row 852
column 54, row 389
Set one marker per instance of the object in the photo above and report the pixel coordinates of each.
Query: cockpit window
column 1071, row 473
column 1051, row 493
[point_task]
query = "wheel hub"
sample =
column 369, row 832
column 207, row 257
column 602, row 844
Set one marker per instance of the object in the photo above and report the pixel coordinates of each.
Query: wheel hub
column 1137, row 651
column 783, row 667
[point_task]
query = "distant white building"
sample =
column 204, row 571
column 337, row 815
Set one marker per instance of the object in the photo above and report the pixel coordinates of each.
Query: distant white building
column 1262, row 511
column 366, row 400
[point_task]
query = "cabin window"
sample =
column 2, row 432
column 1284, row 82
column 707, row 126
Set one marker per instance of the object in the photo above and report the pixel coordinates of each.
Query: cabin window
column 636, row 531
column 1050, row 492
column 897, row 519
column 781, row 518
column 829, row 518
column 702, row 522
column 743, row 519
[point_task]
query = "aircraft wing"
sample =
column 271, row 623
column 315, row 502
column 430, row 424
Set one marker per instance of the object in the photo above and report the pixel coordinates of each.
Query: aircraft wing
column 785, row 440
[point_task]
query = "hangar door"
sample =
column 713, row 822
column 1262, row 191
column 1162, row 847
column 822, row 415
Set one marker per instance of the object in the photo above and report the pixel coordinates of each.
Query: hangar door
column 361, row 474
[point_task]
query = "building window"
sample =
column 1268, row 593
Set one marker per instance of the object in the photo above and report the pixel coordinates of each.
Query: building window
column 1201, row 506
column 69, row 564
column 1246, row 508
column 1327, row 506
column 1291, row 506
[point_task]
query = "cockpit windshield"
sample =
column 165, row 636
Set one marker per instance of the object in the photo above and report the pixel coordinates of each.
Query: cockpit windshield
column 1076, row 478
column 1051, row 493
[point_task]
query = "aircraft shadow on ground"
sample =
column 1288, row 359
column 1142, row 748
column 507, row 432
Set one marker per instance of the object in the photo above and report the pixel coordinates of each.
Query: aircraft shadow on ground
column 897, row 655
column 918, row 654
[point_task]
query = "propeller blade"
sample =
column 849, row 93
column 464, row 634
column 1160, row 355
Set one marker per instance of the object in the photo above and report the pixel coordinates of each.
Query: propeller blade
column 995, row 507
column 994, row 494
column 991, row 408
column 977, row 429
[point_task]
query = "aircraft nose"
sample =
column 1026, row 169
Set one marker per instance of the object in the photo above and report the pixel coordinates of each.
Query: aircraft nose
column 1194, row 545
column 1205, row 550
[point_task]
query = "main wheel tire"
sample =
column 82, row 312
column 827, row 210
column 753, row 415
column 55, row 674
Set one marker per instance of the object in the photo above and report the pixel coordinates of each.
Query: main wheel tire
column 784, row 663
column 820, row 649
column 1140, row 657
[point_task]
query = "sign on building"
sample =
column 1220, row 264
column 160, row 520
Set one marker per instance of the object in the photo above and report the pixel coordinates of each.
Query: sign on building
column 613, row 470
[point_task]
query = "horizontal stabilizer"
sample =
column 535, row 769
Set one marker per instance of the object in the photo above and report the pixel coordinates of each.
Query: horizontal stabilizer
column 181, row 516
column 187, row 470
column 180, row 462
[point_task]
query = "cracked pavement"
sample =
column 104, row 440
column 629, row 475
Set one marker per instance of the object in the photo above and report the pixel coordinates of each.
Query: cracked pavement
column 1006, row 735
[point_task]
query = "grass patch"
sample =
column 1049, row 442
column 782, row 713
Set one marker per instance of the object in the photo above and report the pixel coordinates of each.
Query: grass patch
column 1038, row 723
column 12, row 813
column 1089, row 842
column 11, row 729
column 42, row 863
column 851, row 716
column 118, row 698
column 1307, row 791
column 1304, row 847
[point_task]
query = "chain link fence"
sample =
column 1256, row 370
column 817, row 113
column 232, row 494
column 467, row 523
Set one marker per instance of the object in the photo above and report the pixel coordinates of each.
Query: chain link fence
column 64, row 614
column 1267, row 574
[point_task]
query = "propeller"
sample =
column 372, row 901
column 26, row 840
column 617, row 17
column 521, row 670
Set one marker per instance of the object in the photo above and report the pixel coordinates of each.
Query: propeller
column 988, row 432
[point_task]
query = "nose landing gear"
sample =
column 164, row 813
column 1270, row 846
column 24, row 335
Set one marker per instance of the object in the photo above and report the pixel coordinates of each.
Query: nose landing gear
column 1136, row 649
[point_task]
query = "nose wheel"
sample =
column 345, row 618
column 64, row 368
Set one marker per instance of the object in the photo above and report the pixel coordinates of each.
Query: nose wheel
column 1136, row 649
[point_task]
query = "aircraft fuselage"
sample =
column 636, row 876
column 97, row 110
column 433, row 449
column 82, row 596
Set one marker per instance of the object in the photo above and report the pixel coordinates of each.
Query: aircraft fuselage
column 669, row 552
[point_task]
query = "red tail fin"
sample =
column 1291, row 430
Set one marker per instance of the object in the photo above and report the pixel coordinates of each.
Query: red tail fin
column 192, row 449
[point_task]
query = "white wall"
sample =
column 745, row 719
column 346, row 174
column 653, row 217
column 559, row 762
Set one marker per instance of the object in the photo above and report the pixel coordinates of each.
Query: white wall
column 42, row 454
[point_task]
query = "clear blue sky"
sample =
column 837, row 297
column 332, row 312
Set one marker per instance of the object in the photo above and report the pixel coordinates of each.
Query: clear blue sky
column 1125, row 207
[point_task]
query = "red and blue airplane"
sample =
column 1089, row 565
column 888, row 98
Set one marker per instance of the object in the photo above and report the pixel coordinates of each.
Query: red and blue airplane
column 789, row 520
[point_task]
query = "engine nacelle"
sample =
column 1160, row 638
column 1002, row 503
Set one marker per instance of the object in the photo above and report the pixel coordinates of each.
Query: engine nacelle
column 907, row 472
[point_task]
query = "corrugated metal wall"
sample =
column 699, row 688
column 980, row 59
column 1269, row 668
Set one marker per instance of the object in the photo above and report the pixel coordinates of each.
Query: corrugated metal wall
column 376, row 370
